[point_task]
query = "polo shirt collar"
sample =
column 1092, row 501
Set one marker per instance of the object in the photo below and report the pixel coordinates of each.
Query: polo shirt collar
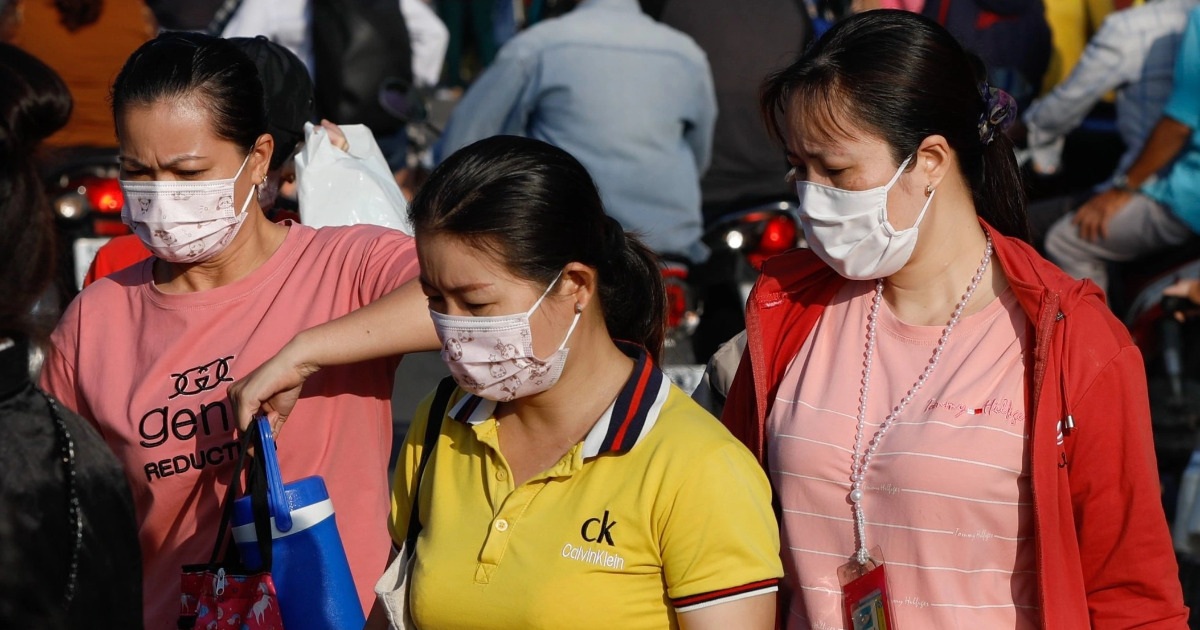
column 621, row 426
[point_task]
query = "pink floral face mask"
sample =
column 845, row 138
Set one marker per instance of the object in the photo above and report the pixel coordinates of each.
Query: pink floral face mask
column 184, row 222
column 492, row 357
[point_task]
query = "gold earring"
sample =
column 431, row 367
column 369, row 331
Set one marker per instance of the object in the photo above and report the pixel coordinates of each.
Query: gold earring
column 928, row 189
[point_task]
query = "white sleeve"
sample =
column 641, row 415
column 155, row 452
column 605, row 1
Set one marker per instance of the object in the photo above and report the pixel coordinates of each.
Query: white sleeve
column 429, row 38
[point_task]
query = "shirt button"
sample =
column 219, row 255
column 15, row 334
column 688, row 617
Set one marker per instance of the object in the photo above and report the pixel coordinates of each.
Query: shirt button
column 501, row 525
column 501, row 475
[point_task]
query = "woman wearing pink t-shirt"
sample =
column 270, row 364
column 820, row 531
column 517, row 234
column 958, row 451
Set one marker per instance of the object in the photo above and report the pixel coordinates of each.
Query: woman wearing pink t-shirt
column 957, row 432
column 147, row 353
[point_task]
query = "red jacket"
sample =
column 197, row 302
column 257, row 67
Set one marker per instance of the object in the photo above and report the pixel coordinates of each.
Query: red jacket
column 1104, row 551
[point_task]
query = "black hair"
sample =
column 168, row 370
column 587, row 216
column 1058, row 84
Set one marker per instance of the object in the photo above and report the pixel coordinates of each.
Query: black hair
column 178, row 65
column 903, row 77
column 536, row 208
column 34, row 103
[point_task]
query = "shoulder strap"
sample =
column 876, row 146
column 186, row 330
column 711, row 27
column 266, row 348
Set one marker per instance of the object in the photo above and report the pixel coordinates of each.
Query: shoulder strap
column 433, row 428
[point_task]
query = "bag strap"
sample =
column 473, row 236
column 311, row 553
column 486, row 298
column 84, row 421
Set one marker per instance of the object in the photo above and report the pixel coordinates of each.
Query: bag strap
column 433, row 428
column 231, row 494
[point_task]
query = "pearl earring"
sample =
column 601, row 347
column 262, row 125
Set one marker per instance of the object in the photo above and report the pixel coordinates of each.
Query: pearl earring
column 578, row 307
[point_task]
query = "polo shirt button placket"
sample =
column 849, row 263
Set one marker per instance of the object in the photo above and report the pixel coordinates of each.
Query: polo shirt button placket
column 501, row 525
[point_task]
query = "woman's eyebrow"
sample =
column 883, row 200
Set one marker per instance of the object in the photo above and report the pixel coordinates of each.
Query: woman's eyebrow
column 465, row 288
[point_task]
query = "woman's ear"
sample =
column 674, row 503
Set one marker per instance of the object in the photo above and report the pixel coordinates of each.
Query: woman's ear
column 934, row 157
column 260, row 160
column 578, row 284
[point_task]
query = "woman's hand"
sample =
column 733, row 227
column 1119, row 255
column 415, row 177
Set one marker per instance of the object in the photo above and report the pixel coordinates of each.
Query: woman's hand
column 273, row 388
column 336, row 137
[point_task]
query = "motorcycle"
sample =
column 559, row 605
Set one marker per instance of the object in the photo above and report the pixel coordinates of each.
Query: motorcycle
column 755, row 234
column 706, row 303
column 86, row 198
column 740, row 242
column 1171, row 349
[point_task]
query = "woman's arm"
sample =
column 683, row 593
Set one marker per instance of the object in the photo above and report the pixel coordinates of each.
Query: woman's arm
column 1126, row 557
column 396, row 323
column 720, row 539
column 749, row 613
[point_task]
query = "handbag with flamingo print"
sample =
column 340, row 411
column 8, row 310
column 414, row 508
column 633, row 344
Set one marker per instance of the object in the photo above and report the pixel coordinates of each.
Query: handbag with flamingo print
column 224, row 594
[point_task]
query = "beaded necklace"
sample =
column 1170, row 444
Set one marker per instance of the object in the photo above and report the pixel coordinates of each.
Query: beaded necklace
column 862, row 460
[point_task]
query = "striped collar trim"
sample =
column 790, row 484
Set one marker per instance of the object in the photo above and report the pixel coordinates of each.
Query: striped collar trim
column 621, row 426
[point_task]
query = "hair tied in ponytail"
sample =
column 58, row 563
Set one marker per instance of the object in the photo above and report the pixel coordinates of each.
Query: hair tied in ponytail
column 999, row 112
column 614, row 236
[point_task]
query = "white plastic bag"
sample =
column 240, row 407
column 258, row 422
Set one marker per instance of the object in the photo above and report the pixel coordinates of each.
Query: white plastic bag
column 338, row 187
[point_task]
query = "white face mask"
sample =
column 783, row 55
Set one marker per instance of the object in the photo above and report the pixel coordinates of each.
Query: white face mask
column 849, row 229
column 492, row 357
column 184, row 222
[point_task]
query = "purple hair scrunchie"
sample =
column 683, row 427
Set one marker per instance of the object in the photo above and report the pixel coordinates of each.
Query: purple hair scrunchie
column 999, row 112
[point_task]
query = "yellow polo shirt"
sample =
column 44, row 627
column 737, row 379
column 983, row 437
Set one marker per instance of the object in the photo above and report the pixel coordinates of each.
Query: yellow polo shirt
column 658, row 510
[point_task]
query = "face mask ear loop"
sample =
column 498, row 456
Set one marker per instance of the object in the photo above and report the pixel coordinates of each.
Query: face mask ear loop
column 925, row 207
column 253, row 189
column 574, row 323
column 538, row 303
column 887, row 187
column 242, row 167
column 899, row 172
column 246, row 204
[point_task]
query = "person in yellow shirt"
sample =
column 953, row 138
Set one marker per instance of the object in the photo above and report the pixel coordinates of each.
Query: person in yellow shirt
column 571, row 485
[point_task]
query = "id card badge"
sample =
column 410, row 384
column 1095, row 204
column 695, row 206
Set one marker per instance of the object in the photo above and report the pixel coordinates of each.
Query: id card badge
column 866, row 603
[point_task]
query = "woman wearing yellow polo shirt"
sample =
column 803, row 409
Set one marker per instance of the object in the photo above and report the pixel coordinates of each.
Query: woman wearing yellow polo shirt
column 571, row 486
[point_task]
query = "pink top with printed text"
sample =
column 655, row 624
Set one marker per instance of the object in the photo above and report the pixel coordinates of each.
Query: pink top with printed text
column 150, row 370
column 947, row 496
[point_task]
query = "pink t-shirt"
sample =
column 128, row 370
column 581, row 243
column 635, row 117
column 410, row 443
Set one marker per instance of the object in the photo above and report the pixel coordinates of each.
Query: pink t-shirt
column 947, row 496
column 150, row 370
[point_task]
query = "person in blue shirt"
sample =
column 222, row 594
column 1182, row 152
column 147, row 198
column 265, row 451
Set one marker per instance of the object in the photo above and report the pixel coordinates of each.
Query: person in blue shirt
column 628, row 97
column 1155, row 203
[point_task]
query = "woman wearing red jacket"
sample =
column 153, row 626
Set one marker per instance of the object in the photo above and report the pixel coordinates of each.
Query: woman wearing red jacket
column 957, row 432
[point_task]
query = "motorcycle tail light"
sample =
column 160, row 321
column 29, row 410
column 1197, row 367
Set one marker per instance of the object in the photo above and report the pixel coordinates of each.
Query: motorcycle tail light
column 779, row 235
column 676, row 305
column 104, row 194
column 674, row 278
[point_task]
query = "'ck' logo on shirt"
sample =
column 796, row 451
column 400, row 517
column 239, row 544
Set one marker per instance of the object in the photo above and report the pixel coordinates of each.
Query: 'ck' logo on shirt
column 598, row 530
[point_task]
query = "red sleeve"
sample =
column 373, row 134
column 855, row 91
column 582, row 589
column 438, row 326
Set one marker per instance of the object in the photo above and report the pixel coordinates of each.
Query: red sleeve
column 741, row 408
column 116, row 255
column 1126, row 555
